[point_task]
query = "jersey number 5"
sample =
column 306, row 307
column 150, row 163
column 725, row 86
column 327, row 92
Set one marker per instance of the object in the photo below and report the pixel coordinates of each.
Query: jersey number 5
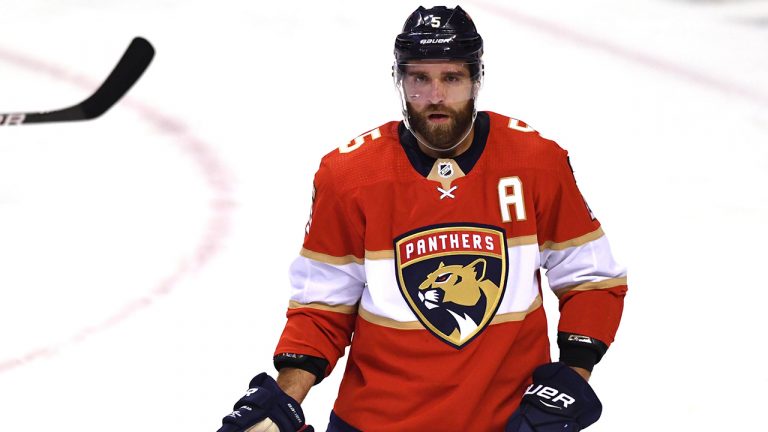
column 357, row 142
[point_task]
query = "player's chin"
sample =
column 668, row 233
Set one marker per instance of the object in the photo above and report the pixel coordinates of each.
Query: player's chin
column 440, row 130
column 440, row 144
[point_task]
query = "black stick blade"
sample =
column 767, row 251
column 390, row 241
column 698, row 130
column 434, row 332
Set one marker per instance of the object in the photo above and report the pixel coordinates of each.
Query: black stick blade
column 128, row 70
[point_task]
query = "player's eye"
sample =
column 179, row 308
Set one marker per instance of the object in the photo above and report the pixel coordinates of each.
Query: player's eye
column 454, row 78
column 443, row 277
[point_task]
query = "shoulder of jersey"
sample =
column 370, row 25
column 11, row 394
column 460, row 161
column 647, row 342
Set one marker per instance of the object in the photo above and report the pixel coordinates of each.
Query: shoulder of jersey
column 374, row 148
column 368, row 158
column 372, row 141
column 515, row 138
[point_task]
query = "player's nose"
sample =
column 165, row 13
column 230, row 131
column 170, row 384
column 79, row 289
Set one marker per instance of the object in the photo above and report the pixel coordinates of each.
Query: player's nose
column 436, row 92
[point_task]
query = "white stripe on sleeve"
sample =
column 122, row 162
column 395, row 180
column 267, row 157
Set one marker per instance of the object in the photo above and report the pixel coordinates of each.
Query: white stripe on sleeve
column 318, row 282
column 589, row 262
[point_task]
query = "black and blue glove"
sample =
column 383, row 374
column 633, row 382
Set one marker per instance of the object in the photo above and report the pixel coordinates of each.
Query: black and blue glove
column 559, row 400
column 265, row 408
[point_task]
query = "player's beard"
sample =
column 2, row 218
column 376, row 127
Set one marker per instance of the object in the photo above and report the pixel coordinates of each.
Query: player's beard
column 442, row 136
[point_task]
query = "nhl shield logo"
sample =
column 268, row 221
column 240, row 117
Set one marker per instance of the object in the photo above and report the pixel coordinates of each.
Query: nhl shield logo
column 453, row 278
column 445, row 169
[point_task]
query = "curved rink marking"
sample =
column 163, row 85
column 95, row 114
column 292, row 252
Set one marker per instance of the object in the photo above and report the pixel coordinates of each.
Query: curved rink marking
column 217, row 225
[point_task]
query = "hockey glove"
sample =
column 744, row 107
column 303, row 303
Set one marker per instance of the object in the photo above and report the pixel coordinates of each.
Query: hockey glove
column 265, row 408
column 559, row 400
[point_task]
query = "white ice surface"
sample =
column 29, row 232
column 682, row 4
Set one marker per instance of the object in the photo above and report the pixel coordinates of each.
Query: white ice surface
column 144, row 255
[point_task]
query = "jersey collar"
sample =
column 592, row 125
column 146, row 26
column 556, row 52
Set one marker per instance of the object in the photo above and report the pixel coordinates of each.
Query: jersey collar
column 423, row 163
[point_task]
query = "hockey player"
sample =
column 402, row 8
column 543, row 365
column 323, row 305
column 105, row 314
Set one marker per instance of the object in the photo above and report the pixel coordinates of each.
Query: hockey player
column 425, row 242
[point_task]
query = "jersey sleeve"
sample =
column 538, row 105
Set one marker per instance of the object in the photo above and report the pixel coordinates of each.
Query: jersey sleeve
column 580, row 267
column 327, row 278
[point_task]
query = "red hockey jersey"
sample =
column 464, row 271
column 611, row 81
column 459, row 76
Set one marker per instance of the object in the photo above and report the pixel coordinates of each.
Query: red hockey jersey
column 435, row 277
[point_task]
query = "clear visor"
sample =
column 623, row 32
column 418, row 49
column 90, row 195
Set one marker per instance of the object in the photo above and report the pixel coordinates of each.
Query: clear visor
column 436, row 82
column 432, row 89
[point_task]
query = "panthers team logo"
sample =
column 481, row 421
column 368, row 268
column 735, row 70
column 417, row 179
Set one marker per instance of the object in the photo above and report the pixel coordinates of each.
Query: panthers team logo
column 453, row 278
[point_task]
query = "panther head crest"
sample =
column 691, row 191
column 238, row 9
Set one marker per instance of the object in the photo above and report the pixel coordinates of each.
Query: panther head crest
column 463, row 292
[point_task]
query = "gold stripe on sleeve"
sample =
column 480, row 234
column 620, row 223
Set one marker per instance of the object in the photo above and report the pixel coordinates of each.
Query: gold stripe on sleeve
column 517, row 316
column 330, row 259
column 387, row 322
column 522, row 241
column 578, row 241
column 344, row 309
column 589, row 286
column 380, row 254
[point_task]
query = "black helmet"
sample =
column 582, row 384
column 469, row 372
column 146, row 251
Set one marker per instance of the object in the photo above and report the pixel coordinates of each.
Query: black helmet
column 439, row 33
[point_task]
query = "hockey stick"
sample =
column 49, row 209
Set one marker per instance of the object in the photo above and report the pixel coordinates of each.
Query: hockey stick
column 128, row 70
